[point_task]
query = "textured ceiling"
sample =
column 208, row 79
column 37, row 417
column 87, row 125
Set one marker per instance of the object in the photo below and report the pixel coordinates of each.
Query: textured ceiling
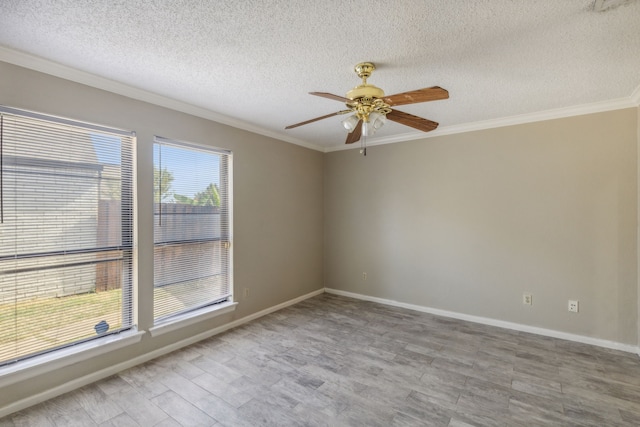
column 252, row 63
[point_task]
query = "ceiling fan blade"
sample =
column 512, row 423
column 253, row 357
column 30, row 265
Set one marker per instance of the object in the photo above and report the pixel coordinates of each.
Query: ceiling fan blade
column 434, row 93
column 412, row 121
column 330, row 96
column 355, row 134
column 316, row 119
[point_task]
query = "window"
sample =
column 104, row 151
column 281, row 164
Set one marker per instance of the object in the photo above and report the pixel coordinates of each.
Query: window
column 192, row 228
column 66, row 209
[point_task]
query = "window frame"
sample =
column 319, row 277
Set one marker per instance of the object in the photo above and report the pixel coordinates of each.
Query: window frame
column 226, row 304
column 25, row 366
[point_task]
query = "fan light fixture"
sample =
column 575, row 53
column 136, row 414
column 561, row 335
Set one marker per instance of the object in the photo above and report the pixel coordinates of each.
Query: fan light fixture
column 370, row 123
column 350, row 123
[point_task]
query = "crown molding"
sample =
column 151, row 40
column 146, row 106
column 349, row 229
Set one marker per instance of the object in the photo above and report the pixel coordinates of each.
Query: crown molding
column 558, row 113
column 58, row 70
column 62, row 71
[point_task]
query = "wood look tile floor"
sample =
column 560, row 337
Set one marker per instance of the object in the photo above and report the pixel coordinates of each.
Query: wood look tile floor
column 335, row 361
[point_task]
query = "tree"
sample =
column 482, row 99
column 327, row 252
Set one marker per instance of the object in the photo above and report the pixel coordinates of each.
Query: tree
column 209, row 197
column 183, row 200
column 162, row 181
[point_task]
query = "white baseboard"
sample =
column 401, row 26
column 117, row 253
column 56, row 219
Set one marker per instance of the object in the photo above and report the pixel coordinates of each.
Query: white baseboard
column 494, row 322
column 112, row 370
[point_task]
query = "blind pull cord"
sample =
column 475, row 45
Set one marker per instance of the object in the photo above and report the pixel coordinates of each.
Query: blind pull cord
column 160, row 186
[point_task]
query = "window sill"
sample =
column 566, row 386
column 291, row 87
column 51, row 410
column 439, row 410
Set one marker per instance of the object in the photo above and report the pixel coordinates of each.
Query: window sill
column 57, row 359
column 191, row 318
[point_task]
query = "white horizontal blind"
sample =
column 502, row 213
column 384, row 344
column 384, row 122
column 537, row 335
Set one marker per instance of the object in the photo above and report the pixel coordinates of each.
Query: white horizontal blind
column 192, row 227
column 65, row 233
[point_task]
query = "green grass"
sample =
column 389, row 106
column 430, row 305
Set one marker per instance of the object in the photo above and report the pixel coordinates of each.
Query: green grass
column 35, row 325
column 32, row 326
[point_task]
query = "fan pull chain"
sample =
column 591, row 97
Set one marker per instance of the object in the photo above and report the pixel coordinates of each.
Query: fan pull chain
column 363, row 145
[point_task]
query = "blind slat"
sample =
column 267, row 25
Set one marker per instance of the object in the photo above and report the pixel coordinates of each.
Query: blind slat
column 191, row 227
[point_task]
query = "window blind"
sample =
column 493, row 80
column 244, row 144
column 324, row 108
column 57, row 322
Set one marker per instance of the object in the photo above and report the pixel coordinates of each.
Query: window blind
column 192, row 227
column 65, row 233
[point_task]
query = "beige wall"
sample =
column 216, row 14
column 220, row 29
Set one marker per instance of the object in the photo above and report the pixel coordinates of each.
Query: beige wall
column 469, row 222
column 465, row 223
column 278, row 221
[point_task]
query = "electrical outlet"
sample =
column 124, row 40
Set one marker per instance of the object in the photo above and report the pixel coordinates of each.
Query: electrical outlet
column 245, row 293
column 364, row 275
column 573, row 306
column 527, row 299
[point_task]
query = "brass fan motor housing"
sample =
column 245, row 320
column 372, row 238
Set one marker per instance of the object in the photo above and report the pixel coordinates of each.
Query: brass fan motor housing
column 364, row 70
column 365, row 91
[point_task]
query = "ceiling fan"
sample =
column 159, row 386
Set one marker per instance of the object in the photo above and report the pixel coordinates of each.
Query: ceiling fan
column 371, row 108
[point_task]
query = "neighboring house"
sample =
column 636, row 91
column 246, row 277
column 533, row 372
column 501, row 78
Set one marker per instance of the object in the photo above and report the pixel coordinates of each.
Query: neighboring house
column 67, row 197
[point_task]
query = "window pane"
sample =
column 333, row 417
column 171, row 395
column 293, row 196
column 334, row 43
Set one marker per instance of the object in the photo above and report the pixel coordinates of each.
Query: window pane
column 65, row 233
column 191, row 228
